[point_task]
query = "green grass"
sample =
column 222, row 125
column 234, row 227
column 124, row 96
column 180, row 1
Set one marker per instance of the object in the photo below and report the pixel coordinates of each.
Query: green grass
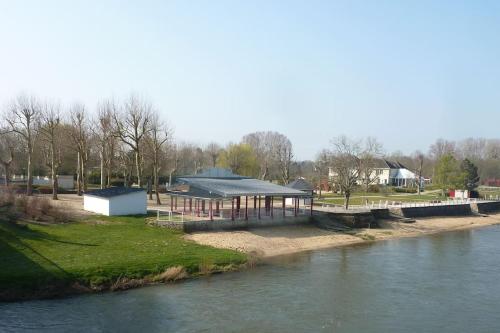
column 359, row 198
column 97, row 251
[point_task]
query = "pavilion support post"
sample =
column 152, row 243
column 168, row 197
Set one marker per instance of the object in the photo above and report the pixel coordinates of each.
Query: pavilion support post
column 311, row 206
column 175, row 203
column 190, row 204
column 198, row 207
column 246, row 207
column 210, row 211
column 217, row 210
column 259, row 208
column 184, row 205
column 171, row 203
column 254, row 203
column 232, row 209
column 272, row 208
column 296, row 208
column 284, row 207
column 238, row 205
column 203, row 206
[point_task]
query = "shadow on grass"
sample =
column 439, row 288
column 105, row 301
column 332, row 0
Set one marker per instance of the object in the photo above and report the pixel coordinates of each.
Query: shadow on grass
column 25, row 271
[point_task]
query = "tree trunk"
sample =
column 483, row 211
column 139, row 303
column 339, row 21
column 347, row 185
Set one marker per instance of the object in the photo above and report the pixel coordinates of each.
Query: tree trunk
column 157, row 192
column 78, row 176
column 53, row 172
column 138, row 168
column 29, row 187
column 102, row 167
column 150, row 188
column 7, row 174
column 346, row 200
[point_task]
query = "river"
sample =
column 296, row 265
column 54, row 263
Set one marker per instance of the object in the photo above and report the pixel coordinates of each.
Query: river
column 448, row 282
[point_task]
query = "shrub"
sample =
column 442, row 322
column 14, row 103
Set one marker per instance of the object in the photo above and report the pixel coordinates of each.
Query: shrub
column 374, row 188
column 405, row 190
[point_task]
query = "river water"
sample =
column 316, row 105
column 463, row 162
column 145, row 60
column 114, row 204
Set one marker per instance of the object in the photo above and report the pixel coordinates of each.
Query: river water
column 443, row 283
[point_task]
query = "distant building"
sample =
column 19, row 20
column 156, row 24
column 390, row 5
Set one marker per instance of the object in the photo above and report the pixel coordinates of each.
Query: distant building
column 390, row 173
column 116, row 201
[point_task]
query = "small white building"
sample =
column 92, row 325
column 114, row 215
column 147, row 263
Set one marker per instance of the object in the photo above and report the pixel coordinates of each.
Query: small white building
column 116, row 201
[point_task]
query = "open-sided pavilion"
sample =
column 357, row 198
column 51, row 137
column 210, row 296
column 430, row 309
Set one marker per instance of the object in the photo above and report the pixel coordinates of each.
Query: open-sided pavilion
column 206, row 193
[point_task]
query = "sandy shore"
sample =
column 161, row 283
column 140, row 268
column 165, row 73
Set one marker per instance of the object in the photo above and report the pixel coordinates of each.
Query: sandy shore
column 273, row 241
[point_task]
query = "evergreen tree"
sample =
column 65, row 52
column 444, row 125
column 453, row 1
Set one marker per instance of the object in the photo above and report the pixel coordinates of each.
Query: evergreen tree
column 470, row 174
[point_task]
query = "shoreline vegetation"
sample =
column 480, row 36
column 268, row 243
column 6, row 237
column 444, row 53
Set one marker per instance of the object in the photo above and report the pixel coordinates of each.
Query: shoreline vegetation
column 99, row 253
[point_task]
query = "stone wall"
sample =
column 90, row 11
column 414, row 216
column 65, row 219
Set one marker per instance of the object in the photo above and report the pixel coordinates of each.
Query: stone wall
column 429, row 211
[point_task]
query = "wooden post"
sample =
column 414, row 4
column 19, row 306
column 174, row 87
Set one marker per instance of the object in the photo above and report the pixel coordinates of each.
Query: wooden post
column 190, row 204
column 246, row 207
column 311, row 206
column 184, row 204
column 272, row 207
column 283, row 202
column 210, row 211
column 171, row 203
column 254, row 203
column 232, row 209
column 175, row 203
column 217, row 211
column 295, row 207
column 203, row 206
column 259, row 207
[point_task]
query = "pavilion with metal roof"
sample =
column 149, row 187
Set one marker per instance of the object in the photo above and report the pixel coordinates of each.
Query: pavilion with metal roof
column 216, row 186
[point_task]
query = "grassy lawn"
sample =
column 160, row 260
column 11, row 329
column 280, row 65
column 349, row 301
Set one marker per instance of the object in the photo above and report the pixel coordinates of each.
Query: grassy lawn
column 359, row 198
column 97, row 251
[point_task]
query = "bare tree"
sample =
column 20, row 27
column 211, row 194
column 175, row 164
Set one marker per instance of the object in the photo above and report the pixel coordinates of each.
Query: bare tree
column 105, row 135
column 321, row 167
column 371, row 152
column 7, row 150
column 157, row 137
column 22, row 118
column 80, row 134
column 284, row 155
column 131, row 125
column 213, row 151
column 419, row 166
column 346, row 165
column 50, row 131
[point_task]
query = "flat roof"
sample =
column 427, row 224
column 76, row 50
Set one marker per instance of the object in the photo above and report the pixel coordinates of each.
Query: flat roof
column 113, row 191
column 232, row 187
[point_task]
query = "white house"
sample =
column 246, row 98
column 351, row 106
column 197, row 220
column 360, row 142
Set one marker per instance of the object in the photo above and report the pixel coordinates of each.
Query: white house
column 389, row 173
column 116, row 201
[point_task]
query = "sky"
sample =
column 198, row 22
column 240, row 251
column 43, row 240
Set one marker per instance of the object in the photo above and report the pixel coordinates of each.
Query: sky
column 405, row 72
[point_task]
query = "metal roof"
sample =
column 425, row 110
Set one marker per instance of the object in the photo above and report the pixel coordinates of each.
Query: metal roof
column 300, row 184
column 113, row 191
column 216, row 173
column 229, row 187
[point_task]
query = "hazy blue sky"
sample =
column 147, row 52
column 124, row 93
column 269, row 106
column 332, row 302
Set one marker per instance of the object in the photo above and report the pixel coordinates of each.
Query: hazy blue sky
column 406, row 72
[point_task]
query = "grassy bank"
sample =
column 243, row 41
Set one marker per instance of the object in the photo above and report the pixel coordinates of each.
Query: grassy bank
column 93, row 254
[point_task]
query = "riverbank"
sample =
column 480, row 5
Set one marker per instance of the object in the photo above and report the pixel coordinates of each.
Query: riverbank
column 275, row 241
column 98, row 253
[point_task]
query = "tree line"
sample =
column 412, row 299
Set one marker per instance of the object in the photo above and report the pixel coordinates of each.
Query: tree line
column 120, row 143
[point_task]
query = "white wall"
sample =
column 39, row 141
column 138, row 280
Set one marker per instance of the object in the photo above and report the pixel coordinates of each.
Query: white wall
column 96, row 204
column 129, row 204
column 126, row 204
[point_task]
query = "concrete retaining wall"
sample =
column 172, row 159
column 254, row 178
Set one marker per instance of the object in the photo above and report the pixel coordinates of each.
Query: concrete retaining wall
column 429, row 211
column 486, row 207
column 192, row 226
column 351, row 220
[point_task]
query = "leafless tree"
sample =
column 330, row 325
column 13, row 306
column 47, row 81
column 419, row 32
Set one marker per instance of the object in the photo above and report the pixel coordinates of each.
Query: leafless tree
column 104, row 133
column 284, row 155
column 157, row 137
column 419, row 166
column 371, row 151
column 442, row 147
column 22, row 118
column 321, row 167
column 131, row 125
column 50, row 130
column 346, row 165
column 80, row 133
column 7, row 150
column 213, row 151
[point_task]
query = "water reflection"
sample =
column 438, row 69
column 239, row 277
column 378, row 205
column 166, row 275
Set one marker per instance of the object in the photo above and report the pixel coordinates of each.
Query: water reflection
column 441, row 283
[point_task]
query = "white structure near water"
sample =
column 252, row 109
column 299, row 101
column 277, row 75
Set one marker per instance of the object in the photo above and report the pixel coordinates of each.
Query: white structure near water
column 116, row 201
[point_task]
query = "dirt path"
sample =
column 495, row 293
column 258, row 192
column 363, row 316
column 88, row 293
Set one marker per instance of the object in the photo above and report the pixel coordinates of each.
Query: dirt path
column 272, row 241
